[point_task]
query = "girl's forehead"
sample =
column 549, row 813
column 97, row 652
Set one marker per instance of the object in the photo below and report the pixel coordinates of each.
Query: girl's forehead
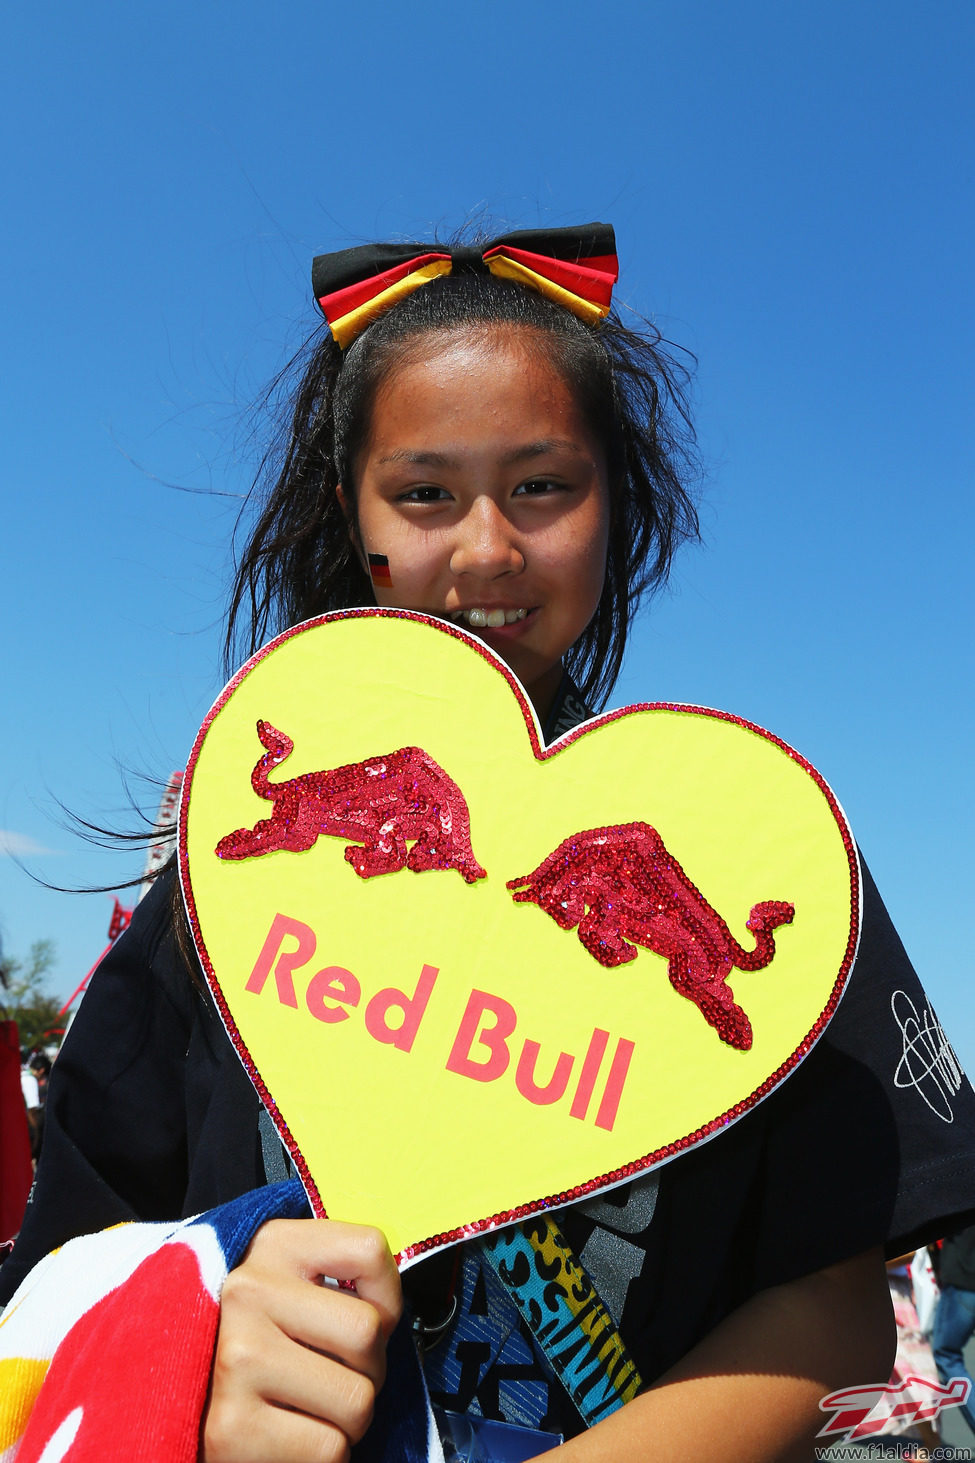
column 502, row 373
column 467, row 358
column 478, row 340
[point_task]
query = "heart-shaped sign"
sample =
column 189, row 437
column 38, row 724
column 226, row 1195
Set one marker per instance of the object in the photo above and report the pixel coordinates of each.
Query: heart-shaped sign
column 472, row 978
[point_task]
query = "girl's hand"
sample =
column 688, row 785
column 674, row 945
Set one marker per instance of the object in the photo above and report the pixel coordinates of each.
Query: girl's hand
column 297, row 1363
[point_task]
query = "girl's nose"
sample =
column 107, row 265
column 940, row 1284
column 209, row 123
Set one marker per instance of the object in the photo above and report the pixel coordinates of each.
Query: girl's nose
column 486, row 543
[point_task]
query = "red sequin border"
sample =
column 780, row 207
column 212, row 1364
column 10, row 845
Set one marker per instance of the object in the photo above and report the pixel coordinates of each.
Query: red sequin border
column 610, row 1180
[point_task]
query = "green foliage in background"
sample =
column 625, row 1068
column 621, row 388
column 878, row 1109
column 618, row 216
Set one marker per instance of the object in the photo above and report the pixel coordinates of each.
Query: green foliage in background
column 23, row 998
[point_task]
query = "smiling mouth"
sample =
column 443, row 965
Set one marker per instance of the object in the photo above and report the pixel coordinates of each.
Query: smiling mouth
column 480, row 619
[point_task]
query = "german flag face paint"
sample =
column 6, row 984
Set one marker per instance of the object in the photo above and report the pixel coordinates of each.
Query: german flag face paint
column 379, row 571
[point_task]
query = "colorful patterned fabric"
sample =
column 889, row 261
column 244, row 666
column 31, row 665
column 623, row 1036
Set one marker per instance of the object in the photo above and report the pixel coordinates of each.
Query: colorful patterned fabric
column 565, row 1314
column 527, row 1314
column 106, row 1347
column 485, row 1366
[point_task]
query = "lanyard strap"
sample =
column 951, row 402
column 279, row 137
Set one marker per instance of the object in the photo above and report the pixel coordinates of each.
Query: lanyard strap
column 565, row 1314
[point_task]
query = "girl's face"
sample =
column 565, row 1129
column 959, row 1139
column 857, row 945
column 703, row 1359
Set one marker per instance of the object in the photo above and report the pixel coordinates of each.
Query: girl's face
column 482, row 485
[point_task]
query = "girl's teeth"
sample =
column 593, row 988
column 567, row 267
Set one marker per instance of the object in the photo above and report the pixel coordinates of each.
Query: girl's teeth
column 490, row 619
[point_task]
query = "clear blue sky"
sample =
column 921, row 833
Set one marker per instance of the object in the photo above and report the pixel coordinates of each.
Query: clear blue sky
column 791, row 189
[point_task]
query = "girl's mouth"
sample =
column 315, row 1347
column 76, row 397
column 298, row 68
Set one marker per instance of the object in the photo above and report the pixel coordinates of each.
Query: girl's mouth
column 482, row 619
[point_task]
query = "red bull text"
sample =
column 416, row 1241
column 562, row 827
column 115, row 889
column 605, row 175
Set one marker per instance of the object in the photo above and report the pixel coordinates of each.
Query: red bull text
column 484, row 1049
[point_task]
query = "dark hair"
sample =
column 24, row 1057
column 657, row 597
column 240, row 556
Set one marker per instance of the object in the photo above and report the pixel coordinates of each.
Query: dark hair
column 298, row 560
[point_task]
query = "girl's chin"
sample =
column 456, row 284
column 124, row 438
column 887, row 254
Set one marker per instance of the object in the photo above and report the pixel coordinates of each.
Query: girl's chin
column 539, row 686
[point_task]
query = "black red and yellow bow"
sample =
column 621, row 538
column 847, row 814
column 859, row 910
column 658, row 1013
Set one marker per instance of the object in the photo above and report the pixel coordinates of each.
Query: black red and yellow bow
column 576, row 268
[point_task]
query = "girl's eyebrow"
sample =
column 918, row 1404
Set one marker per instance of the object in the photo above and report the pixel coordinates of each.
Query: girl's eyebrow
column 418, row 458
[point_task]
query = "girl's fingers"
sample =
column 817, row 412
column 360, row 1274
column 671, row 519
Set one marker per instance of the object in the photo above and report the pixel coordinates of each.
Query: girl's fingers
column 298, row 1362
column 259, row 1375
column 273, row 1435
column 332, row 1323
column 353, row 1253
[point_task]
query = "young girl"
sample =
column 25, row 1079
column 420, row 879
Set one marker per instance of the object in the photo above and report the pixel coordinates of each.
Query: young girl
column 478, row 438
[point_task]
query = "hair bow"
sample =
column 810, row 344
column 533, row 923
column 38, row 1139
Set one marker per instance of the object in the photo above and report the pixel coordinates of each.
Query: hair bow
column 576, row 268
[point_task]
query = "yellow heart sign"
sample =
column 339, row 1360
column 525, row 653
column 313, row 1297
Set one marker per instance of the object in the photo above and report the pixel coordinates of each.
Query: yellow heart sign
column 473, row 978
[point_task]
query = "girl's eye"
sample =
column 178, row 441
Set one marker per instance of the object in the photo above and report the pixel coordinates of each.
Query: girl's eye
column 538, row 486
column 426, row 493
